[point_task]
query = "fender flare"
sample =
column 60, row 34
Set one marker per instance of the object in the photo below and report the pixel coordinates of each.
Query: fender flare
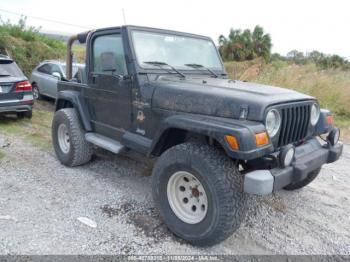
column 217, row 128
column 78, row 103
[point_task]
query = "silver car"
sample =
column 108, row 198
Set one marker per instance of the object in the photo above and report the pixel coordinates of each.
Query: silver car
column 46, row 75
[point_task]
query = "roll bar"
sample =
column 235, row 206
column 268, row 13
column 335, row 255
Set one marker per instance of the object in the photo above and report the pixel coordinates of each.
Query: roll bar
column 69, row 60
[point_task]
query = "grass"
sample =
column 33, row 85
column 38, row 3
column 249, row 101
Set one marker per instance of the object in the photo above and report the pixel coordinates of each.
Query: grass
column 36, row 131
column 331, row 87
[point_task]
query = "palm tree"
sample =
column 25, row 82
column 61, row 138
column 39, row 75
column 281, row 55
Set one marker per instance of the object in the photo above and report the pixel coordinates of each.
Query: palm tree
column 248, row 44
column 223, row 42
column 245, row 45
column 261, row 43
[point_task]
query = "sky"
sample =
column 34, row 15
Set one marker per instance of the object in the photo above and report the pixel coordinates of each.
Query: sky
column 304, row 25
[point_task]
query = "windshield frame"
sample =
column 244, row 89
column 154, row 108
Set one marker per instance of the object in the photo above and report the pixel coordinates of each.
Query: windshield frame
column 142, row 69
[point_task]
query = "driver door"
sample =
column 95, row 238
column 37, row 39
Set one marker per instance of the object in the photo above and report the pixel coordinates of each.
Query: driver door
column 108, row 94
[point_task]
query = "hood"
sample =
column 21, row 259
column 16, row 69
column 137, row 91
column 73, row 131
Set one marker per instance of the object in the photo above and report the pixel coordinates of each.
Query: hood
column 219, row 97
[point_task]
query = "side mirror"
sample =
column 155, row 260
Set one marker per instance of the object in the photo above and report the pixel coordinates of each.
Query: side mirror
column 108, row 62
column 57, row 75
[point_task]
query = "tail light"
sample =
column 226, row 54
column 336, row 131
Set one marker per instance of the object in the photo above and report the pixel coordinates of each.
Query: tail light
column 23, row 86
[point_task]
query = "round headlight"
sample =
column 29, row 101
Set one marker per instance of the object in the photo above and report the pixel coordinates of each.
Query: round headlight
column 333, row 136
column 272, row 122
column 287, row 155
column 315, row 114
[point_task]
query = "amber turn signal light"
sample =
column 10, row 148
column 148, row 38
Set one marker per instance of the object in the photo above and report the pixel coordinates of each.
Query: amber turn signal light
column 232, row 141
column 329, row 120
column 261, row 139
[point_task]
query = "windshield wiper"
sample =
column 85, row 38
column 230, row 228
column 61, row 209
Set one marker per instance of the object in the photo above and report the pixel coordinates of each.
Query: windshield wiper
column 162, row 64
column 197, row 66
column 4, row 75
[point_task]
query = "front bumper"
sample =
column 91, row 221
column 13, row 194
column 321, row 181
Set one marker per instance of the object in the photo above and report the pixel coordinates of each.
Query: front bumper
column 308, row 157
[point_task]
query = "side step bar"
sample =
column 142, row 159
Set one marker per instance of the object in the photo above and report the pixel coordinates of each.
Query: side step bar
column 104, row 142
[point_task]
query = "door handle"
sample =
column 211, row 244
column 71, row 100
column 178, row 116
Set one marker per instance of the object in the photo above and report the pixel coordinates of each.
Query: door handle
column 94, row 78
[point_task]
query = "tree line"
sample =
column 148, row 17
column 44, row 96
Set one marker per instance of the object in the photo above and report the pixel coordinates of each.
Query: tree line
column 322, row 60
column 242, row 45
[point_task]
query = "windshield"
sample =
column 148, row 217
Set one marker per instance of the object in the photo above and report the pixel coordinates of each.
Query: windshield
column 175, row 50
column 9, row 68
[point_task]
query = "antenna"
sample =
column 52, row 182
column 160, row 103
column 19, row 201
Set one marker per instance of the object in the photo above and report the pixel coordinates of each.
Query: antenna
column 123, row 11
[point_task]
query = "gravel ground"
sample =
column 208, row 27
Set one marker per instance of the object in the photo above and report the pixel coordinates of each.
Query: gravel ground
column 40, row 201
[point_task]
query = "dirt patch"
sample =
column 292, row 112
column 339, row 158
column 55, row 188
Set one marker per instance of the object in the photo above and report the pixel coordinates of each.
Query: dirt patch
column 146, row 220
column 115, row 211
column 150, row 224
column 276, row 204
column 251, row 73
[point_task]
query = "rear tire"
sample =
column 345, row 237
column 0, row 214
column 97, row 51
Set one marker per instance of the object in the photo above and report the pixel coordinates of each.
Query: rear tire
column 28, row 114
column 20, row 115
column 36, row 92
column 68, row 138
column 300, row 184
column 215, row 178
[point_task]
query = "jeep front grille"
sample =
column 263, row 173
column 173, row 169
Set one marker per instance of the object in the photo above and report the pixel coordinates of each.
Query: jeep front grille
column 295, row 123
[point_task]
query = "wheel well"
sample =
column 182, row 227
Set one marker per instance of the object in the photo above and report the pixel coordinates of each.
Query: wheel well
column 61, row 103
column 174, row 136
column 33, row 83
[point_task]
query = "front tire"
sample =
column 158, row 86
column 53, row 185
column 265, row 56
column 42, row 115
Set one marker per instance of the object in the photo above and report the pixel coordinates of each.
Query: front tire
column 199, row 192
column 68, row 138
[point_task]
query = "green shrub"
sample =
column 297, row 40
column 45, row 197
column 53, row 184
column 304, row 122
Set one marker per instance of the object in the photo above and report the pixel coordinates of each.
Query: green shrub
column 27, row 46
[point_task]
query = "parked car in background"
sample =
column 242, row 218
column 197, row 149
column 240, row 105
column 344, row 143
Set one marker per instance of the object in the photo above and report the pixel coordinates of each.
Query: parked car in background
column 46, row 75
column 16, row 95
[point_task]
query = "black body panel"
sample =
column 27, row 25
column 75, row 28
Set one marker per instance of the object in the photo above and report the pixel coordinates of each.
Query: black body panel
column 74, row 98
column 219, row 97
column 109, row 104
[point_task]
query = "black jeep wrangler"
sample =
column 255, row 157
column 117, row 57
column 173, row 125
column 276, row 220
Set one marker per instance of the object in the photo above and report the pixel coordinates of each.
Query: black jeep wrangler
column 166, row 95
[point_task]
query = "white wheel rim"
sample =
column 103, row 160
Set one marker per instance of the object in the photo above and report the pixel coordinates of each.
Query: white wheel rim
column 63, row 138
column 187, row 197
column 35, row 93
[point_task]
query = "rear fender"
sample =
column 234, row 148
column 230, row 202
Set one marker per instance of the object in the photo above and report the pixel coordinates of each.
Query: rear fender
column 73, row 99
